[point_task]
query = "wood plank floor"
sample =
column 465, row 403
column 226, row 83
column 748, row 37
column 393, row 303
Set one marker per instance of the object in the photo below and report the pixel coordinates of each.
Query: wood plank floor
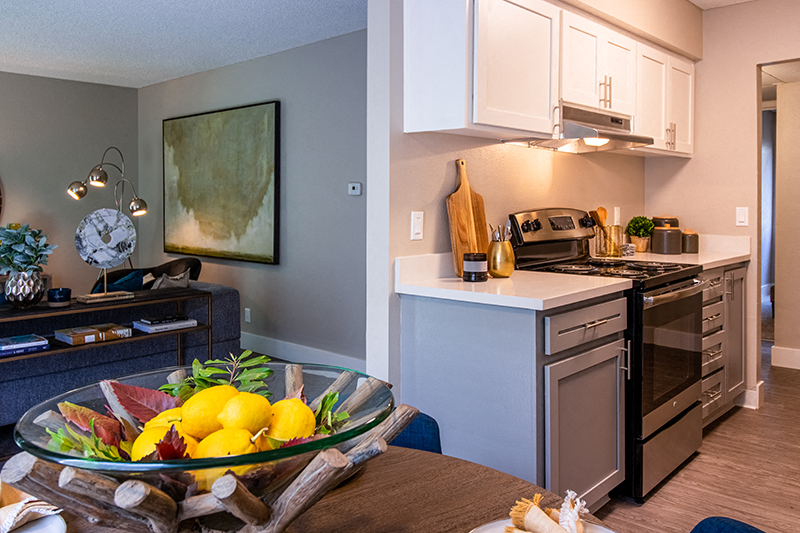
column 748, row 468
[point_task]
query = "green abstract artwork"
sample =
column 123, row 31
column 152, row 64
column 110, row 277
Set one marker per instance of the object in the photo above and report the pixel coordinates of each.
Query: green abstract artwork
column 221, row 183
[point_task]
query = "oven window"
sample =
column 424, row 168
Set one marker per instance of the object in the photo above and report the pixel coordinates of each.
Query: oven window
column 672, row 347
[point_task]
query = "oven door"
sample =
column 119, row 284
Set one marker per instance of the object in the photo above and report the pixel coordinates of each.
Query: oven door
column 672, row 345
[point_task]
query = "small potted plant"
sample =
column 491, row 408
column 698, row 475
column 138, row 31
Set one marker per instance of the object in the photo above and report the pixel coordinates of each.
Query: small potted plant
column 640, row 229
column 23, row 251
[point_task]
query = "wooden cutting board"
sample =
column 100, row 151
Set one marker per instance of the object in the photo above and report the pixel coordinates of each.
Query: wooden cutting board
column 468, row 230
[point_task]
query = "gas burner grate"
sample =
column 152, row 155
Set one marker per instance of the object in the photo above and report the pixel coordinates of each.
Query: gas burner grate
column 626, row 273
column 604, row 261
column 579, row 269
column 652, row 265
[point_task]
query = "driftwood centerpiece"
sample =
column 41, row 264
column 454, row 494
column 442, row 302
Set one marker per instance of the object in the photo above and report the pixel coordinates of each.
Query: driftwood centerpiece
column 258, row 497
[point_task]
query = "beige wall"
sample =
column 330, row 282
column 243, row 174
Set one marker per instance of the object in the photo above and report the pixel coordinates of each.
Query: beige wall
column 787, row 213
column 52, row 132
column 724, row 172
column 674, row 24
column 311, row 306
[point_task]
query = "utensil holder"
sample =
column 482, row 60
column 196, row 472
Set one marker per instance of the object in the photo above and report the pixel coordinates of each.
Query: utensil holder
column 501, row 259
column 609, row 241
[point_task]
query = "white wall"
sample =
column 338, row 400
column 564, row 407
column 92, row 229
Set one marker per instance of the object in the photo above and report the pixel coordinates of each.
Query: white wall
column 52, row 132
column 723, row 174
column 311, row 306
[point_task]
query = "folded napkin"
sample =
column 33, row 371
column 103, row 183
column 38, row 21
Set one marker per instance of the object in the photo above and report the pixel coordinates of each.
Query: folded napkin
column 17, row 508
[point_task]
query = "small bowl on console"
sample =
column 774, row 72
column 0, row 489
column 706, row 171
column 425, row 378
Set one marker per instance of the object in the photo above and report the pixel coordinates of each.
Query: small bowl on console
column 59, row 297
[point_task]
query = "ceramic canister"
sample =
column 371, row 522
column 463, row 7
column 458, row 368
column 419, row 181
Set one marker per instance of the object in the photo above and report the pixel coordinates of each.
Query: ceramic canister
column 666, row 241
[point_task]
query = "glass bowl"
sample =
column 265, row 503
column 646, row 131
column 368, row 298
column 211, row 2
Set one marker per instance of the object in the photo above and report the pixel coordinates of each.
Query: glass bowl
column 261, row 472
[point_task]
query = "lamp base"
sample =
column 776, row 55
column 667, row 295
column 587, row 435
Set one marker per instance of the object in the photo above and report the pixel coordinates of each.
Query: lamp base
column 104, row 297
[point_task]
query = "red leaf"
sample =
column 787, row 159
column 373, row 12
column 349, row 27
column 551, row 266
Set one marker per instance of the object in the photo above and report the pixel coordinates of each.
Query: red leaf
column 171, row 446
column 300, row 394
column 143, row 403
column 107, row 429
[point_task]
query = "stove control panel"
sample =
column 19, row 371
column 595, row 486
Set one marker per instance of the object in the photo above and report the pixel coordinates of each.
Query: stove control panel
column 552, row 224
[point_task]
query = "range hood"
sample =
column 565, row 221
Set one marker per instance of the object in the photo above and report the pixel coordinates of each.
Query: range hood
column 585, row 131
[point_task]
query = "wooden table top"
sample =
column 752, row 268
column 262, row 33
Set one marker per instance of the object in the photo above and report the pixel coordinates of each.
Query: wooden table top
column 407, row 490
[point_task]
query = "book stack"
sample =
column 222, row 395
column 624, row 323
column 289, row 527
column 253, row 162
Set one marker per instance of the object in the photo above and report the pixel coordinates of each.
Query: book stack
column 22, row 344
column 163, row 323
column 96, row 333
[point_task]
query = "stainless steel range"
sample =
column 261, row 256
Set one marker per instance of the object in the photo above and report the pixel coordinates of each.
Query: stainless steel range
column 663, row 407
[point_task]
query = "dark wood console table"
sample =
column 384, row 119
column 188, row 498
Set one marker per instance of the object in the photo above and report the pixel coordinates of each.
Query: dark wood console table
column 176, row 296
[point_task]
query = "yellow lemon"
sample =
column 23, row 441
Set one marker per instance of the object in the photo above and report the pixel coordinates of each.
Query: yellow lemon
column 165, row 418
column 145, row 443
column 199, row 417
column 291, row 419
column 222, row 443
column 247, row 411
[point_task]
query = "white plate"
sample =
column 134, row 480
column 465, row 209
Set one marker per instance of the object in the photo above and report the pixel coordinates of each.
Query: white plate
column 500, row 525
column 49, row 524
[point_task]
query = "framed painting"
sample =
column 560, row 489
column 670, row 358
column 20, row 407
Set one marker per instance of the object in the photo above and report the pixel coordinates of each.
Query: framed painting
column 221, row 177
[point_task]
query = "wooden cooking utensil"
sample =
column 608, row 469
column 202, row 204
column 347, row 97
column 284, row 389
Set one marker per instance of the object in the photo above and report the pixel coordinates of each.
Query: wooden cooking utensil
column 467, row 219
column 603, row 214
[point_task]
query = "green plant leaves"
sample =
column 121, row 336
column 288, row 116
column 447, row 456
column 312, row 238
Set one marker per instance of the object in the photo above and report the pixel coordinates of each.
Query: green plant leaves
column 245, row 373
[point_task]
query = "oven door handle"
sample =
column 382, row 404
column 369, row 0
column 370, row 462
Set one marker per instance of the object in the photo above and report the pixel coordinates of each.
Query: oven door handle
column 697, row 287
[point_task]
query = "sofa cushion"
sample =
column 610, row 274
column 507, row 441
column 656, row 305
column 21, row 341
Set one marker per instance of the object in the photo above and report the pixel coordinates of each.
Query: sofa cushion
column 131, row 282
column 168, row 282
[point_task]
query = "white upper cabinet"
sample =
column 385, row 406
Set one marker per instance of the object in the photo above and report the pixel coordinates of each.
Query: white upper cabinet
column 598, row 66
column 481, row 67
column 665, row 105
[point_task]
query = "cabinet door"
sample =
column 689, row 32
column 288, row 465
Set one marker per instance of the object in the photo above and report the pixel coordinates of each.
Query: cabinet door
column 580, row 60
column 585, row 423
column 680, row 107
column 598, row 66
column 735, row 327
column 516, row 64
column 651, row 102
column 618, row 60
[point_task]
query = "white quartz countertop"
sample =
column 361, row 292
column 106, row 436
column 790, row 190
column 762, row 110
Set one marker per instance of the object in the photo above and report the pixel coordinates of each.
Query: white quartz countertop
column 433, row 276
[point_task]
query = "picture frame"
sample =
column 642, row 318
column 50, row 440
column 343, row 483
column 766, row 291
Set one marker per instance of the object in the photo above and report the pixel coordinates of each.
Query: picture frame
column 221, row 183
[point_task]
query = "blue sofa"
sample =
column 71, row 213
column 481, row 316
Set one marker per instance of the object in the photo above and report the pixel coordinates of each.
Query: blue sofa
column 27, row 382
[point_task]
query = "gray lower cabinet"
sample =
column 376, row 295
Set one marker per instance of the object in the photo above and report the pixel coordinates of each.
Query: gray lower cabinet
column 736, row 326
column 479, row 370
column 585, row 423
column 723, row 340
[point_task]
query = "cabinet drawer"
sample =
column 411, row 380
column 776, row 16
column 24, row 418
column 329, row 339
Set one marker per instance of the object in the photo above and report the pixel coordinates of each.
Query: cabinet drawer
column 713, row 387
column 713, row 352
column 713, row 316
column 716, row 285
column 573, row 328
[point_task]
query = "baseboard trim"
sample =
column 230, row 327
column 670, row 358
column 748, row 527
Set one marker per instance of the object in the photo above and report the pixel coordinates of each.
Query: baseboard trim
column 786, row 357
column 752, row 399
column 297, row 353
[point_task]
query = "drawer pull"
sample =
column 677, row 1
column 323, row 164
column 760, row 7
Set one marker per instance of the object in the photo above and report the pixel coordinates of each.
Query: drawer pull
column 712, row 317
column 713, row 395
column 715, row 283
column 713, row 354
column 595, row 323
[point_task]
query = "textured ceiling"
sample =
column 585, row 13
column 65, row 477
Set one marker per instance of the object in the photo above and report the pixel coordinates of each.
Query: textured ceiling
column 711, row 4
column 135, row 43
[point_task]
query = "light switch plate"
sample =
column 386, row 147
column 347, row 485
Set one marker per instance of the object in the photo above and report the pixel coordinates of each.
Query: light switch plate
column 742, row 216
column 416, row 225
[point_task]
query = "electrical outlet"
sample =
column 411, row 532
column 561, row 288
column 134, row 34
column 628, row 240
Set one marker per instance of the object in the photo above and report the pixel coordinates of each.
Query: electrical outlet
column 741, row 216
column 416, row 225
column 247, row 314
column 354, row 188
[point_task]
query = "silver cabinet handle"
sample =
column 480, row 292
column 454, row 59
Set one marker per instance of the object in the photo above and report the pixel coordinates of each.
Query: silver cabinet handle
column 556, row 123
column 610, row 92
column 696, row 287
column 595, row 323
column 712, row 317
column 604, row 88
column 627, row 367
column 713, row 354
column 729, row 283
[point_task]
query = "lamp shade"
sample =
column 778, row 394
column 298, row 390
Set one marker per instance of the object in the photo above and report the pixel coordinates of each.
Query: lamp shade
column 77, row 190
column 138, row 207
column 98, row 177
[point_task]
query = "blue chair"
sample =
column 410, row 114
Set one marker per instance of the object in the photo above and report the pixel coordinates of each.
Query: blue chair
column 421, row 434
column 720, row 524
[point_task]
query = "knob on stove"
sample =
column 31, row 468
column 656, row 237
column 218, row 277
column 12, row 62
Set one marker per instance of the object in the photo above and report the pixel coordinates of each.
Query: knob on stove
column 588, row 222
column 531, row 225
